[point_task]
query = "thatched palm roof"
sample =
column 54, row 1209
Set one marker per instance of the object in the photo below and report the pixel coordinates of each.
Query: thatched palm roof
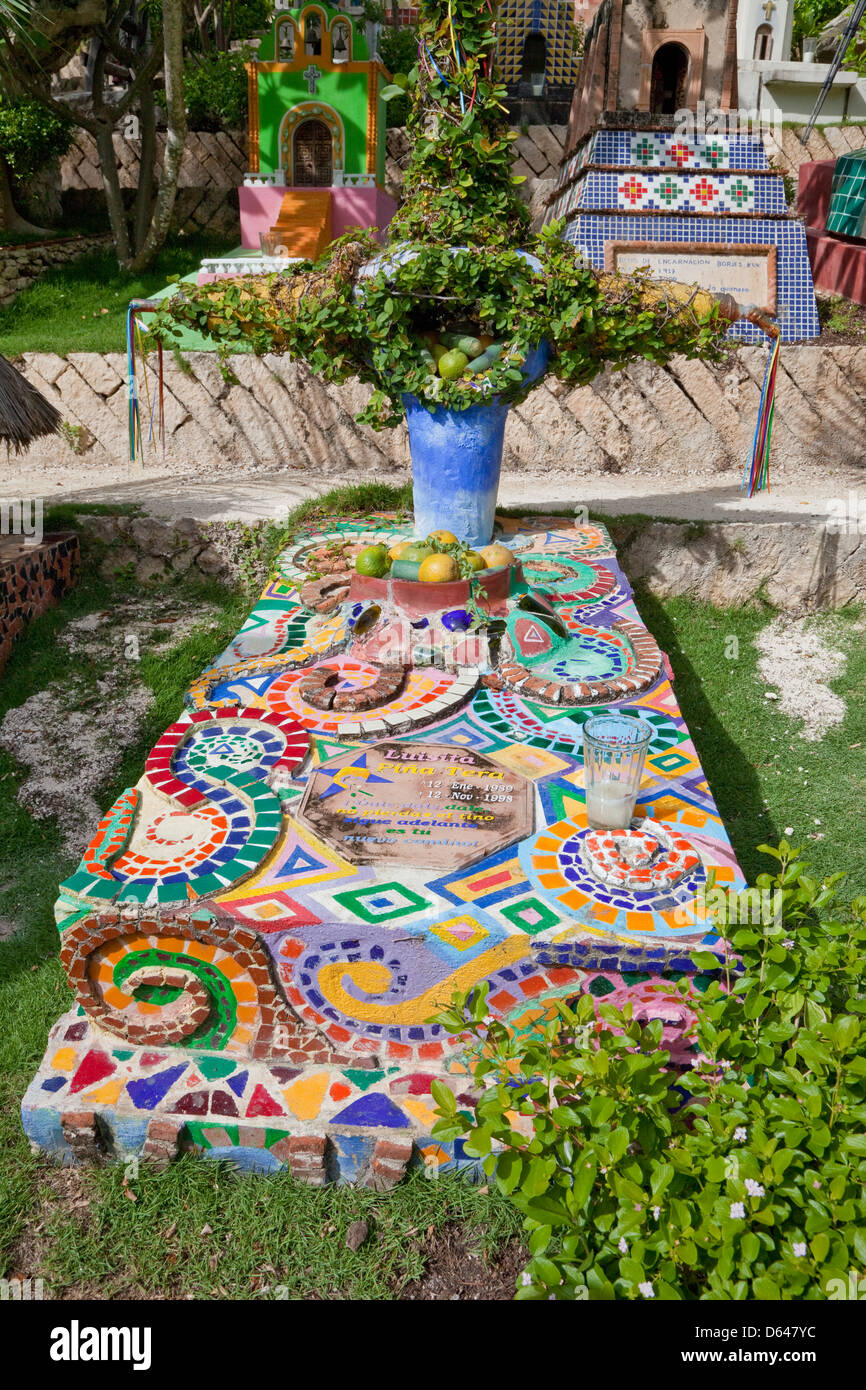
column 25, row 415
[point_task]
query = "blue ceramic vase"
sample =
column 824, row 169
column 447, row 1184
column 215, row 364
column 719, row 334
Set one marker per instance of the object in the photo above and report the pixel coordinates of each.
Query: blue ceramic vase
column 457, row 459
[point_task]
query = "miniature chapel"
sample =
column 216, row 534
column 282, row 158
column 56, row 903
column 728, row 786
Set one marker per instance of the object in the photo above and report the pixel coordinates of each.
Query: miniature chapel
column 316, row 132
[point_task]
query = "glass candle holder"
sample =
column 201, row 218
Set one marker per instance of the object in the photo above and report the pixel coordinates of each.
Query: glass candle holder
column 614, row 750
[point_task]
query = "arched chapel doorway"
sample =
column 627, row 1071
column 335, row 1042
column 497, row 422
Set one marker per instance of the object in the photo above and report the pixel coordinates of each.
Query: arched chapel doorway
column 312, row 155
column 534, row 62
column 668, row 82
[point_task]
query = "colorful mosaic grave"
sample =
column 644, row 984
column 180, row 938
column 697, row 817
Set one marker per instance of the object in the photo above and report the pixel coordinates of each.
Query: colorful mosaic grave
column 327, row 843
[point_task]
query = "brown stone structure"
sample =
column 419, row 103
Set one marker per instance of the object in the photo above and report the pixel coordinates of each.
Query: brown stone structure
column 642, row 56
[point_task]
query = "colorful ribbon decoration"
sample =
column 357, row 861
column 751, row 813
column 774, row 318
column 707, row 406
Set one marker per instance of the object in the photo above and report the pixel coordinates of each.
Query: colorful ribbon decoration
column 134, row 334
column 756, row 474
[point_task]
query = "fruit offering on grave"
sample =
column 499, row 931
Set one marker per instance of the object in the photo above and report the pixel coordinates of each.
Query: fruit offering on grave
column 438, row 569
column 451, row 364
column 496, row 555
column 438, row 559
column 373, row 561
column 454, row 354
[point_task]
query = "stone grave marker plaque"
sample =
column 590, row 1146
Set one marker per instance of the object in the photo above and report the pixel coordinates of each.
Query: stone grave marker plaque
column 744, row 271
column 433, row 805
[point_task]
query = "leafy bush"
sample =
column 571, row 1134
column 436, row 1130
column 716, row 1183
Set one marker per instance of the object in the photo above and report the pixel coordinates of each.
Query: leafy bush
column 751, row 1187
column 31, row 136
column 398, row 49
column 216, row 90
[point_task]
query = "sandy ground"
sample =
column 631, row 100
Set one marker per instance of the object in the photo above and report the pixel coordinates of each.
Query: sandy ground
column 798, row 664
column 165, row 493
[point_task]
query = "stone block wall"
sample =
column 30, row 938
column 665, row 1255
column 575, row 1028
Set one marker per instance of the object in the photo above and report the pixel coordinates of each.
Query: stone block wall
column 21, row 265
column 214, row 165
column 212, row 169
column 270, row 414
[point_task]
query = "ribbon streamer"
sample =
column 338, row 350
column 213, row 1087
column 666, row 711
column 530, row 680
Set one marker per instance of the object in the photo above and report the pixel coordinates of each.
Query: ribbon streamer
column 756, row 474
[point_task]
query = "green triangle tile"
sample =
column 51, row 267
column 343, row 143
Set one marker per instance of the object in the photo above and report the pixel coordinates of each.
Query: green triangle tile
column 362, row 1078
column 273, row 1136
column 215, row 1068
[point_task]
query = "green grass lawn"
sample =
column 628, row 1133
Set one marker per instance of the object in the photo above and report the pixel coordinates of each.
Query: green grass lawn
column 80, row 1230
column 82, row 307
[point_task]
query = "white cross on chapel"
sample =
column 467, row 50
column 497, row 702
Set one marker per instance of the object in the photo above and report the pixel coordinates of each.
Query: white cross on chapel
column 312, row 75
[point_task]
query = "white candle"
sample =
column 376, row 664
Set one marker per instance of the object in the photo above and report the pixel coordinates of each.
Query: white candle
column 609, row 805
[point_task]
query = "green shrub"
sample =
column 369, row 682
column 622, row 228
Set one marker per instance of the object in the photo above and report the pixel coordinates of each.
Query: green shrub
column 31, row 136
column 398, row 49
column 216, row 90
column 751, row 1187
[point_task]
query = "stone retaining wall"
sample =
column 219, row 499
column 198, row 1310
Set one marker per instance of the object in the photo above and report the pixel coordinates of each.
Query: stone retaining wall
column 800, row 567
column 214, row 165
column 262, row 414
column 21, row 265
column 212, row 169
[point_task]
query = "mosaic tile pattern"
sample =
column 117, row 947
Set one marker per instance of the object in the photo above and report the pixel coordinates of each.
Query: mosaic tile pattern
column 552, row 19
column 249, row 989
column 650, row 186
column 664, row 150
column 32, row 579
column 675, row 192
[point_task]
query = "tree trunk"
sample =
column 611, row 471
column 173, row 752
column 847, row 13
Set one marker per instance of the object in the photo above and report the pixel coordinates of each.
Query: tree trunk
column 113, row 194
column 147, row 154
column 10, row 218
column 172, row 30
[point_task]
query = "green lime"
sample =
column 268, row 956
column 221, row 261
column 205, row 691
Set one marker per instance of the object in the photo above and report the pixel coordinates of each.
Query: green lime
column 374, row 561
column 451, row 364
column 417, row 551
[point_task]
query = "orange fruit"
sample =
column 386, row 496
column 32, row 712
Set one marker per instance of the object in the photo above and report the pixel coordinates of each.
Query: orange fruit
column 495, row 556
column 396, row 550
column 444, row 537
column 477, row 561
column 438, row 569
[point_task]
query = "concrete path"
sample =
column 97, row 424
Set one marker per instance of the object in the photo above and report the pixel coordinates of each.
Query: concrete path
column 272, row 496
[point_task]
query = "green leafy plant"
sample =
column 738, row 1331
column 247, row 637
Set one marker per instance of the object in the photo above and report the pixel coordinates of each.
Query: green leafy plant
column 750, row 1187
column 460, row 259
column 31, row 136
column 398, row 49
column 216, row 89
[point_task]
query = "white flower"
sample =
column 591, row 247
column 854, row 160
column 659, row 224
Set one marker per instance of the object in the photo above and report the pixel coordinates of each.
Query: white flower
column 789, row 829
column 741, row 1133
column 623, row 1245
column 647, row 1289
column 657, row 1211
column 753, row 1188
column 525, row 1279
column 788, row 945
column 725, row 1064
column 799, row 1248
column 738, row 1211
